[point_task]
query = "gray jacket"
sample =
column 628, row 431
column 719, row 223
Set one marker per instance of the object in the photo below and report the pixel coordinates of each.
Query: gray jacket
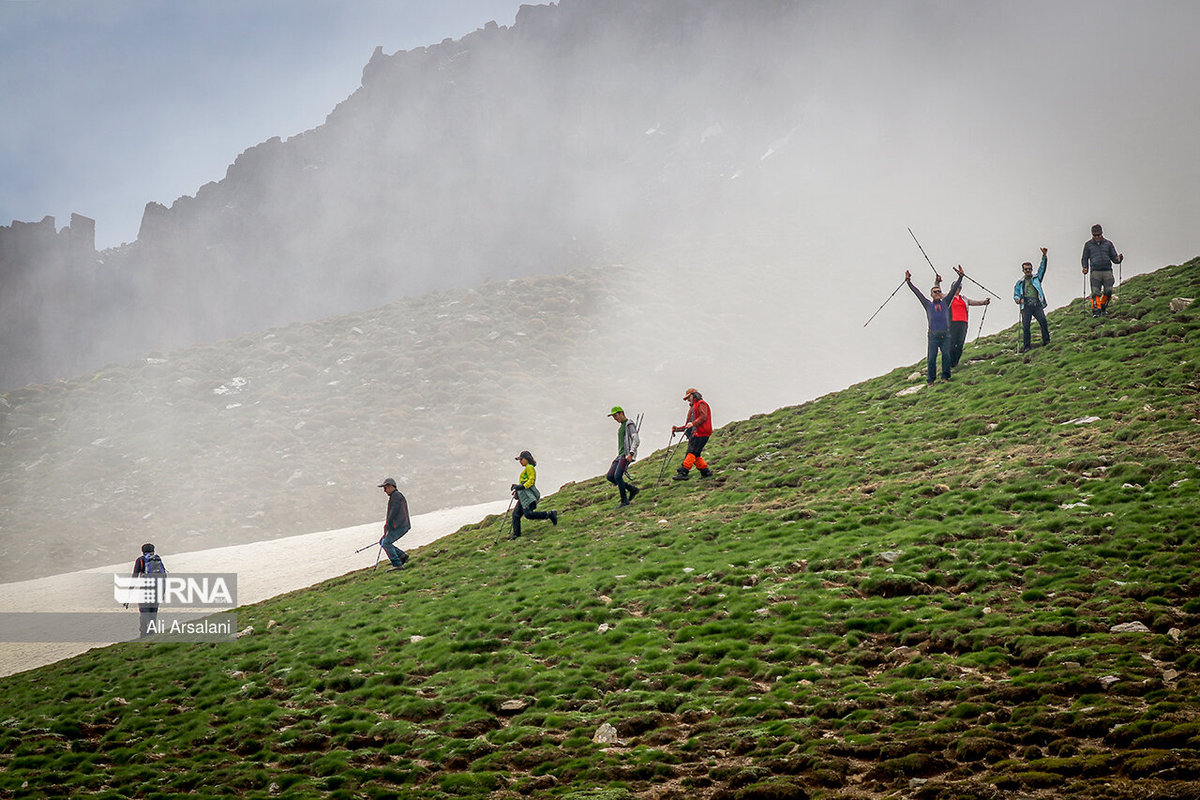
column 627, row 439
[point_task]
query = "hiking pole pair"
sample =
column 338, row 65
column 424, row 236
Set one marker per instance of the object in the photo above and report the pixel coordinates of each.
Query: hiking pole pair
column 378, row 555
column 670, row 453
column 504, row 521
column 885, row 302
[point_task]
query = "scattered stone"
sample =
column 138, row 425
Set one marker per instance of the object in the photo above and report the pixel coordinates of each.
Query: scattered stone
column 910, row 390
column 1170, row 675
column 1178, row 304
column 1081, row 421
column 916, row 376
column 1130, row 486
column 1109, row 680
column 1129, row 627
column 891, row 556
column 606, row 734
column 1175, row 633
column 274, row 788
column 1177, row 483
column 415, row 638
column 1080, row 504
column 246, row 631
column 1072, row 665
column 604, row 599
column 120, row 701
column 513, row 706
column 763, row 612
column 271, row 624
column 604, row 628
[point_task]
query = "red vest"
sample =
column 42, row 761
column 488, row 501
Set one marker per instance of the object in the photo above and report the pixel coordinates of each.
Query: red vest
column 958, row 309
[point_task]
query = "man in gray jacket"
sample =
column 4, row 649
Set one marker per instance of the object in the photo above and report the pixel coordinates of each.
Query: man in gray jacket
column 627, row 445
column 395, row 525
column 1099, row 255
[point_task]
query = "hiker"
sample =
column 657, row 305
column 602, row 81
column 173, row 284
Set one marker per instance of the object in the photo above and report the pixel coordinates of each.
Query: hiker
column 148, row 565
column 627, row 445
column 958, row 324
column 1027, row 293
column 1099, row 255
column 395, row 524
column 527, row 495
column 697, row 429
column 937, row 308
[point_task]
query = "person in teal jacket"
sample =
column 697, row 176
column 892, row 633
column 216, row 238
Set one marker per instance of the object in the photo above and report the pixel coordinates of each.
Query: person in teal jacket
column 1028, row 294
column 527, row 495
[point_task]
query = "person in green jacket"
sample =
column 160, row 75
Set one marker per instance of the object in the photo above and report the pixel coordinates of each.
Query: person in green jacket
column 627, row 445
column 527, row 495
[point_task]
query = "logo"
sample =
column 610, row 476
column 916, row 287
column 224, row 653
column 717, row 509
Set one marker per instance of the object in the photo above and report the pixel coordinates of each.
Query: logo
column 197, row 590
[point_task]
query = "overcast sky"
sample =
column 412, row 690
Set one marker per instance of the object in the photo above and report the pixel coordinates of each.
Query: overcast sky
column 110, row 104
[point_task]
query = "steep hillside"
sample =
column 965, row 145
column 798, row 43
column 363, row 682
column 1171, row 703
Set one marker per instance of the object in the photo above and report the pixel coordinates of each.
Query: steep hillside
column 985, row 589
column 289, row 430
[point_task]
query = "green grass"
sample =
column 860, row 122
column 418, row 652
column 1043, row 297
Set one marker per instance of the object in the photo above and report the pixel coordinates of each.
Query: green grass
column 875, row 596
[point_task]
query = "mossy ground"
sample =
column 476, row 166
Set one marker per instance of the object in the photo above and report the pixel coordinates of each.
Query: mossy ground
column 875, row 596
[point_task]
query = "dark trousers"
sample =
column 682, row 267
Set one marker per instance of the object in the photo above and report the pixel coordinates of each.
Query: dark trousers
column 521, row 511
column 938, row 340
column 394, row 554
column 1033, row 311
column 616, row 475
column 958, row 338
column 148, row 615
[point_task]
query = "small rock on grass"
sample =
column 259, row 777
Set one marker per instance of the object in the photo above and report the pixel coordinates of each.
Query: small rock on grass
column 1129, row 627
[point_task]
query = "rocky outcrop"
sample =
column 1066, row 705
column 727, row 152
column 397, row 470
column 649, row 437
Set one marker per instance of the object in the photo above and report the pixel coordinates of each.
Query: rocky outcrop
column 574, row 135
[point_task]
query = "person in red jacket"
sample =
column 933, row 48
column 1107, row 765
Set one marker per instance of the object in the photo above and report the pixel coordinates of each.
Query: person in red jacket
column 697, row 428
column 958, row 324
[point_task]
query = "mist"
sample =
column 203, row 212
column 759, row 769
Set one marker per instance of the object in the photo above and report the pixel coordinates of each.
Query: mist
column 744, row 175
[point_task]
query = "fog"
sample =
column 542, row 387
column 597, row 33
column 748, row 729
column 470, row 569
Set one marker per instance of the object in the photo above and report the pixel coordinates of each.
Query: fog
column 755, row 168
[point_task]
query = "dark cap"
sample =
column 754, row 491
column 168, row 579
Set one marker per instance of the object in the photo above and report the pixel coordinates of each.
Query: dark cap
column 147, row 548
column 525, row 454
column 387, row 482
column 1096, row 229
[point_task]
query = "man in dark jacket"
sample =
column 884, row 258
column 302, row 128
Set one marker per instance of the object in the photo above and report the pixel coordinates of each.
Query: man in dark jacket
column 1099, row 255
column 937, row 308
column 395, row 525
column 148, row 565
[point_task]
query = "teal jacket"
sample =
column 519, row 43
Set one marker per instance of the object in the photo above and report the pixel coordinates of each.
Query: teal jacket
column 1019, row 289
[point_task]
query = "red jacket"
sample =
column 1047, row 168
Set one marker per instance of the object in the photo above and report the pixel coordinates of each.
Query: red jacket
column 958, row 309
column 701, row 419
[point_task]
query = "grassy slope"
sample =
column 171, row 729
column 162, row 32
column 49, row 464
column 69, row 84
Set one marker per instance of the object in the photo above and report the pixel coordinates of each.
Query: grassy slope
column 877, row 595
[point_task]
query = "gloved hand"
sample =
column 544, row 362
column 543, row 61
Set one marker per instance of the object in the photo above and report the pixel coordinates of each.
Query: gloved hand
column 515, row 486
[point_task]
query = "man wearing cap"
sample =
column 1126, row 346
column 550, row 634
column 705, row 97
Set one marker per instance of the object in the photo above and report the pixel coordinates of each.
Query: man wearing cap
column 395, row 525
column 627, row 445
column 1099, row 254
column 697, row 429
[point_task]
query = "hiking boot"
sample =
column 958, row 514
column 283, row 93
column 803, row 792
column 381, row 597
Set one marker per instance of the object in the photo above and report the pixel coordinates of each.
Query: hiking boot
column 553, row 518
column 396, row 567
column 706, row 473
column 624, row 503
column 681, row 474
column 633, row 492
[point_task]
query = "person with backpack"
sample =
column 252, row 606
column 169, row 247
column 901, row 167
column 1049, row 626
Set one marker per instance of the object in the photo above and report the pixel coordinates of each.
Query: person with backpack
column 1028, row 294
column 148, row 565
column 526, row 493
column 697, row 429
column 395, row 524
column 627, row 445
column 1099, row 255
column 937, row 309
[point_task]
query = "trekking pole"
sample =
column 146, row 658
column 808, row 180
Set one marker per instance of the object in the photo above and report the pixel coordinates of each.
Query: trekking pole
column 504, row 521
column 665, row 458
column 981, row 286
column 981, row 319
column 922, row 249
column 885, row 302
column 368, row 547
column 378, row 556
